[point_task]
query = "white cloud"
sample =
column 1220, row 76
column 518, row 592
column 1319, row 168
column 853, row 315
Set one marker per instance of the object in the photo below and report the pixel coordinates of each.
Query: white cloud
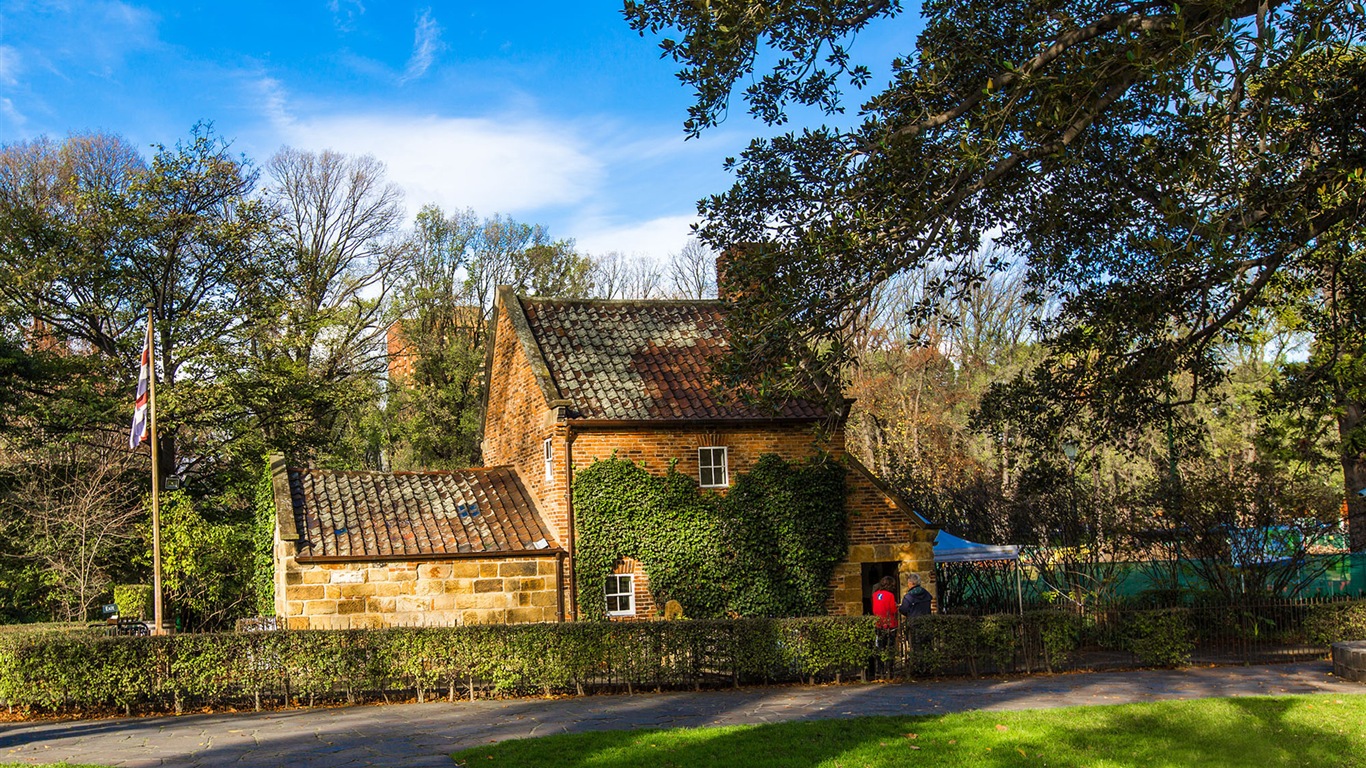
column 345, row 13
column 510, row 166
column 654, row 239
column 10, row 65
column 426, row 45
column 7, row 109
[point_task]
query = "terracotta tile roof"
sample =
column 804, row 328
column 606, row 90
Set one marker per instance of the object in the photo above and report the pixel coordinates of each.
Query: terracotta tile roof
column 640, row 360
column 397, row 515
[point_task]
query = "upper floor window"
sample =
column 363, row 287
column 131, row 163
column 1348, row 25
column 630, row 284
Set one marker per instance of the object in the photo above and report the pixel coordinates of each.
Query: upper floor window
column 549, row 460
column 621, row 594
column 712, row 469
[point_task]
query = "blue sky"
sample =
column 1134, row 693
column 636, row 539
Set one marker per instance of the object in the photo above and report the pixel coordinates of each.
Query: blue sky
column 551, row 112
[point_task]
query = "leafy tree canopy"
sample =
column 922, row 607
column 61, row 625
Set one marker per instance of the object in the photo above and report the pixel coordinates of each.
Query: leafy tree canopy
column 1158, row 165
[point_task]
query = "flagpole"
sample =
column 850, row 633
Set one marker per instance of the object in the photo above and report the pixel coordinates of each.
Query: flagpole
column 156, row 475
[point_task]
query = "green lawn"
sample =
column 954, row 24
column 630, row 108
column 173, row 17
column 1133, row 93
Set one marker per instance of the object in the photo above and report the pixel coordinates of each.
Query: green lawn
column 1322, row 731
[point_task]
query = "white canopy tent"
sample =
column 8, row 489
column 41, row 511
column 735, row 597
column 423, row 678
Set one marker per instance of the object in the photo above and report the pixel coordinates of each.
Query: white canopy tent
column 953, row 549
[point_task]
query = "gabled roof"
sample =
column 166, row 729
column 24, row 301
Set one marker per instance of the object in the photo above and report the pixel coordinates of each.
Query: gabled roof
column 638, row 360
column 411, row 515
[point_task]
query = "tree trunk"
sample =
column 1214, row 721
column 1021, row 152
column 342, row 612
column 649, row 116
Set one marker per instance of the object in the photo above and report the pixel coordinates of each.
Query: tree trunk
column 1353, row 471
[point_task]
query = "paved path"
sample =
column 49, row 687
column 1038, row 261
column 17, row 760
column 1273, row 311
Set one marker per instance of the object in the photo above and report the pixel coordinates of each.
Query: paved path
column 418, row 735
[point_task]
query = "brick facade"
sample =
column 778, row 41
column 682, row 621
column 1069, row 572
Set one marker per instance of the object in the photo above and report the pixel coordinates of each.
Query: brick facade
column 517, row 422
column 524, row 408
column 881, row 528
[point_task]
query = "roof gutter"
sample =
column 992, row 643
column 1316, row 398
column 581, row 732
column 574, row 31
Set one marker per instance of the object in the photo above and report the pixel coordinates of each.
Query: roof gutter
column 427, row 556
column 593, row 424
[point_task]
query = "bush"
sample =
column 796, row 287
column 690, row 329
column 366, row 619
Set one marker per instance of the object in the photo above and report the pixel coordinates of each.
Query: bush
column 85, row 672
column 1161, row 638
column 942, row 644
column 1052, row 638
column 134, row 601
column 51, row 668
column 1336, row 622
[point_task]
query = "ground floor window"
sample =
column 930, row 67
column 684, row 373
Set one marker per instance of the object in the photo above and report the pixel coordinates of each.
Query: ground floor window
column 712, row 468
column 621, row 594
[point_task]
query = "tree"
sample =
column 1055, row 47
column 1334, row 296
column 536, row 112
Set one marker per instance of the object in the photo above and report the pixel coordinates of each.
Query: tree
column 71, row 511
column 1158, row 165
column 206, row 566
column 692, row 271
column 618, row 276
column 1323, row 398
column 91, row 235
column 446, row 302
column 337, row 258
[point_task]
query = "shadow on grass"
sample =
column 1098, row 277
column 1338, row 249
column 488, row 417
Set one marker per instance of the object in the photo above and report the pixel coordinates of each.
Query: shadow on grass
column 1327, row 731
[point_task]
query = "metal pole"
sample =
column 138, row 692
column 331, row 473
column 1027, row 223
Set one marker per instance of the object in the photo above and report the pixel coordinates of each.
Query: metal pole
column 156, row 474
column 1019, row 590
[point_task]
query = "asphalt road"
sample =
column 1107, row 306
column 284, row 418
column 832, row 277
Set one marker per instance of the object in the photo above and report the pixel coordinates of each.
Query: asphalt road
column 419, row 735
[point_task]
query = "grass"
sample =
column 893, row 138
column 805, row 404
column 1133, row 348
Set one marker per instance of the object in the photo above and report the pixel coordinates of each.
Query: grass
column 1324, row 731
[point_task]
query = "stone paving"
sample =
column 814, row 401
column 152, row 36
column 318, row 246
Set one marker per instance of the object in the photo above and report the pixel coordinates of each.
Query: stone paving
column 419, row 735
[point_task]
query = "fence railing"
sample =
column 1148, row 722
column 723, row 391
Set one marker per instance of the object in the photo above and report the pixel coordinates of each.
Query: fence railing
column 1089, row 637
column 86, row 671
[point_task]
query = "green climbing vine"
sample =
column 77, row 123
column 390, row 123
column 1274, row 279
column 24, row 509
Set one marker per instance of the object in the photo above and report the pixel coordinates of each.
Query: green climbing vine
column 263, row 543
column 766, row 548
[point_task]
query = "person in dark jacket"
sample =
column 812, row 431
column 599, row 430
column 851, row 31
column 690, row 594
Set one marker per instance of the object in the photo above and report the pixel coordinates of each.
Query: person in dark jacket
column 916, row 601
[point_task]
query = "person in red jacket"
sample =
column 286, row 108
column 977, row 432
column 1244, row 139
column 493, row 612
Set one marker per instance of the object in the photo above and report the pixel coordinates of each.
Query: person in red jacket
column 884, row 603
column 884, row 608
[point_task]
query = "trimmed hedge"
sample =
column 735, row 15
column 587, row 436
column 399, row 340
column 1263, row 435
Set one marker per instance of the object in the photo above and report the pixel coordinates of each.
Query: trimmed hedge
column 84, row 673
column 55, row 670
column 134, row 601
column 954, row 644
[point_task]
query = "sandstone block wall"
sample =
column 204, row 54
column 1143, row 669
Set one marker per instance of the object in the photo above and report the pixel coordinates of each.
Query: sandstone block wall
column 367, row 595
column 846, row 585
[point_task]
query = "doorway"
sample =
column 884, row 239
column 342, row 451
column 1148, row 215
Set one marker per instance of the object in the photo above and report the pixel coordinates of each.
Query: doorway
column 872, row 574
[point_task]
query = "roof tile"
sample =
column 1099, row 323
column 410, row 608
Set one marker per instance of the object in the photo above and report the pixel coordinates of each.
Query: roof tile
column 384, row 514
column 641, row 360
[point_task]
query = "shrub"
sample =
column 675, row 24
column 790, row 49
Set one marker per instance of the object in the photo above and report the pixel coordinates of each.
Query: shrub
column 134, row 601
column 86, row 672
column 1051, row 637
column 942, row 644
column 1336, row 622
column 1161, row 638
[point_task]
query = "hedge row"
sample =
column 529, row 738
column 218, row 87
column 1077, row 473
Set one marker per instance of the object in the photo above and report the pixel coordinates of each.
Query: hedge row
column 1168, row 637
column 78, row 671
column 82, row 673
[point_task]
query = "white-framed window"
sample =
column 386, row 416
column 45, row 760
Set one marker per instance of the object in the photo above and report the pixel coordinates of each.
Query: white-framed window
column 549, row 450
column 621, row 594
column 712, row 468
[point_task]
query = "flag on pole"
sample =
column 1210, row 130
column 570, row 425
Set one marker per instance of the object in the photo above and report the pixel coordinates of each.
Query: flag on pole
column 139, row 432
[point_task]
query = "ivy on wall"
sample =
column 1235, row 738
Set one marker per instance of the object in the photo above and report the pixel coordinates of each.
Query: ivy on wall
column 765, row 548
column 263, row 544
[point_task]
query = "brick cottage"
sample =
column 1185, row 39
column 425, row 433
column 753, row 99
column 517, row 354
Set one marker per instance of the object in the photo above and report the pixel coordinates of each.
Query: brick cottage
column 567, row 382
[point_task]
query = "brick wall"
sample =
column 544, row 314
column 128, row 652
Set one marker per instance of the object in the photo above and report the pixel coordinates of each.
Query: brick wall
column 381, row 594
column 518, row 421
column 655, row 447
column 645, row 601
column 401, row 355
column 880, row 529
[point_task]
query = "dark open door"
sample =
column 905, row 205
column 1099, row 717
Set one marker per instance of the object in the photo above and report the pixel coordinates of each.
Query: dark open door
column 872, row 574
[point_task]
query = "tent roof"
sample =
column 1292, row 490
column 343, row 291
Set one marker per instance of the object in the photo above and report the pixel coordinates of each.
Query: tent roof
column 952, row 549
